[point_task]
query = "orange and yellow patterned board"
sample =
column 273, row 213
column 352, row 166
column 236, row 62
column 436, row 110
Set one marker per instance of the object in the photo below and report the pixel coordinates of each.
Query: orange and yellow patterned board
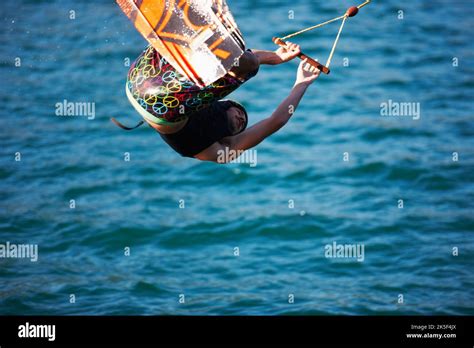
column 199, row 38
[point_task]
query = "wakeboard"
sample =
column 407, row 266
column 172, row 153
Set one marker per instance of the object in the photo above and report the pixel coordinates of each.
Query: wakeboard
column 199, row 38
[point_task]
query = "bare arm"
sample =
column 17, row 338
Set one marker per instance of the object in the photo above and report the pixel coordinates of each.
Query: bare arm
column 267, row 57
column 261, row 130
column 281, row 55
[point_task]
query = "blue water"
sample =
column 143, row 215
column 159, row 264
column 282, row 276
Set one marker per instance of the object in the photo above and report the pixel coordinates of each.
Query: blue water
column 190, row 250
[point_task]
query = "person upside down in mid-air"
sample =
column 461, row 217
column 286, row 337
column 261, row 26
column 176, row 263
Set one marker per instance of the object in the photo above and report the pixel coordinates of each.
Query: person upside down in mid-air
column 195, row 121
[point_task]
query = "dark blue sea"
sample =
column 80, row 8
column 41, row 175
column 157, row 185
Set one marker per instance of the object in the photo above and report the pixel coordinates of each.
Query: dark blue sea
column 124, row 225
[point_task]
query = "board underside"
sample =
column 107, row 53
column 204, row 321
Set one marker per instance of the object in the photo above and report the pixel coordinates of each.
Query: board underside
column 199, row 38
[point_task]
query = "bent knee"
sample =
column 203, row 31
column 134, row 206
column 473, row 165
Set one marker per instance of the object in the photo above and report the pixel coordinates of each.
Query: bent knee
column 250, row 61
column 247, row 66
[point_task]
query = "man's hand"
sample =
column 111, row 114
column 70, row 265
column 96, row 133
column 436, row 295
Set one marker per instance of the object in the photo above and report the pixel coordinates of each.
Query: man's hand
column 289, row 52
column 306, row 74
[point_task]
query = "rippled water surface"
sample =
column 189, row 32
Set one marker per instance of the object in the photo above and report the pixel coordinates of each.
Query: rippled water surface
column 282, row 213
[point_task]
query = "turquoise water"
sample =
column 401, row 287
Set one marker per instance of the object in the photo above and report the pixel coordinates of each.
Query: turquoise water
column 282, row 213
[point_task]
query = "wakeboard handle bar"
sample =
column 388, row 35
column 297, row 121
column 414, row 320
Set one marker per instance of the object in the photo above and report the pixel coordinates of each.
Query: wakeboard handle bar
column 303, row 56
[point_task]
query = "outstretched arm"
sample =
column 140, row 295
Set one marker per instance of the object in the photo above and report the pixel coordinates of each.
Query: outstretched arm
column 261, row 130
column 281, row 55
